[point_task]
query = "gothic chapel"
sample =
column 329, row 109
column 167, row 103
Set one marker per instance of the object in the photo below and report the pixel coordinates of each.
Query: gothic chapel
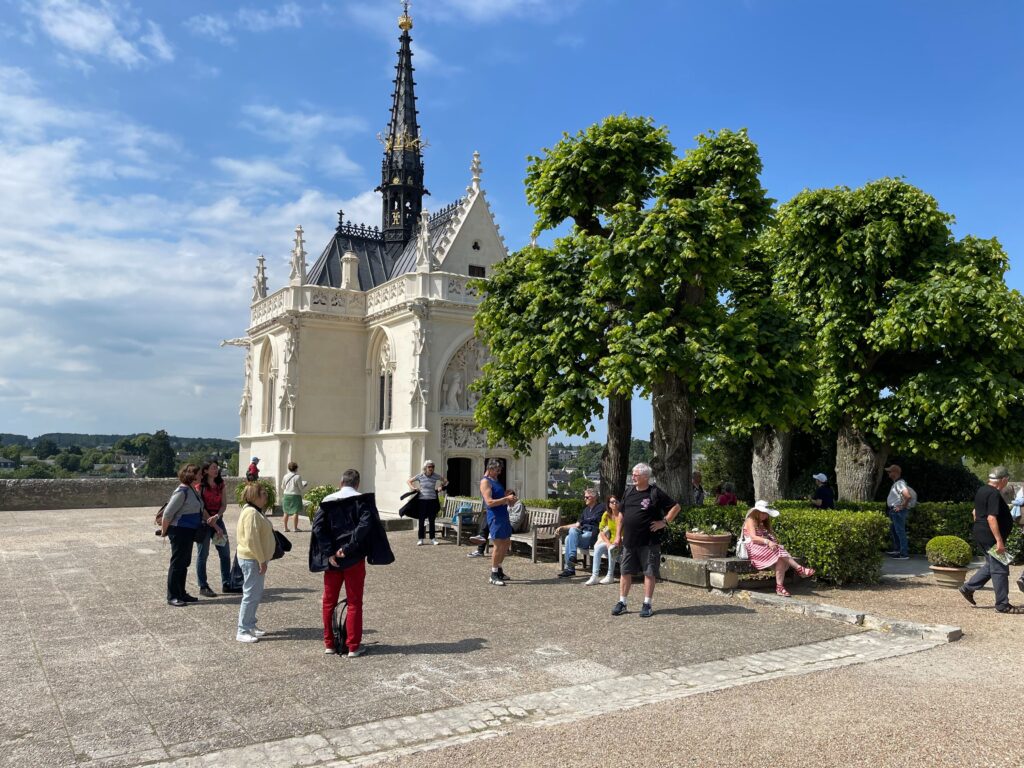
column 364, row 358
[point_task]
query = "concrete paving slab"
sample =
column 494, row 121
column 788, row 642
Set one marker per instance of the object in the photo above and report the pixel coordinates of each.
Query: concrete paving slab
column 142, row 681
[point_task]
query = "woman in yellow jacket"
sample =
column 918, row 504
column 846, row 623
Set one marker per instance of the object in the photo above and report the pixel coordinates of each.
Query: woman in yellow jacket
column 255, row 537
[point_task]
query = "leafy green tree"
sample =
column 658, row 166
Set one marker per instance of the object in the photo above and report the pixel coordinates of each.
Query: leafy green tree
column 160, row 461
column 640, row 452
column 12, row 452
column 918, row 341
column 543, row 318
column 45, row 448
column 673, row 263
column 68, row 461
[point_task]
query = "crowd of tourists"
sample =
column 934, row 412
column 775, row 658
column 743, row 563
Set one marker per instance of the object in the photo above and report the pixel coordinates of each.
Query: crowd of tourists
column 625, row 532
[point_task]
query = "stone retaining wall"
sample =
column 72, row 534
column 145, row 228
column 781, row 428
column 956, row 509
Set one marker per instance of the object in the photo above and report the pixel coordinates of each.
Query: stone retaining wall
column 92, row 492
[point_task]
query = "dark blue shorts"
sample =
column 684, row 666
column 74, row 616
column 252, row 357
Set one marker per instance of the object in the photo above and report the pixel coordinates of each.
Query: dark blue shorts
column 499, row 524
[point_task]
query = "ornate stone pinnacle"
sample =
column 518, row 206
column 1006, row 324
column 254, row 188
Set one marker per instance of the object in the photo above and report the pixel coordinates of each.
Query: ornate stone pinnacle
column 476, row 168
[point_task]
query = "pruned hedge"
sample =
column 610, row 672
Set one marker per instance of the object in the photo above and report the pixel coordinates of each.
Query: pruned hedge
column 844, row 548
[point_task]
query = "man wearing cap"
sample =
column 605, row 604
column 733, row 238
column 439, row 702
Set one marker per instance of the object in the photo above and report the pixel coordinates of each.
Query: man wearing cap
column 823, row 497
column 253, row 472
column 992, row 525
column 897, row 506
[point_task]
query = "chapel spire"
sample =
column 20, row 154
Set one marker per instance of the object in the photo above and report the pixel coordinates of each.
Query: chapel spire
column 401, row 184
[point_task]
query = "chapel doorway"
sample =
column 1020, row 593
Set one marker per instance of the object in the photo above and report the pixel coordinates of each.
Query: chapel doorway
column 460, row 479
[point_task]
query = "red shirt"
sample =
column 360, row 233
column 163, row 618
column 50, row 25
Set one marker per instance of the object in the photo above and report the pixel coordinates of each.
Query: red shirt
column 213, row 498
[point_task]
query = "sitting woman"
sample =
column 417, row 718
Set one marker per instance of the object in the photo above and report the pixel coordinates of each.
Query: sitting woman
column 727, row 498
column 764, row 548
column 605, row 536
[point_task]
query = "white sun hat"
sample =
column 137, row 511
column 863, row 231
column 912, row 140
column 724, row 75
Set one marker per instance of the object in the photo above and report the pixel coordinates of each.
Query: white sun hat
column 762, row 506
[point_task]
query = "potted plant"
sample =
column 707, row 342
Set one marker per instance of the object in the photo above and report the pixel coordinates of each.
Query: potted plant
column 709, row 542
column 948, row 556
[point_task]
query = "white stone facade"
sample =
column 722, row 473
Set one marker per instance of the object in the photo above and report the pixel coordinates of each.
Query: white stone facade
column 378, row 380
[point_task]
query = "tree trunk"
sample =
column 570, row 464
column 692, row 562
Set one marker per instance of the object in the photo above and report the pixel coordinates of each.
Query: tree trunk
column 673, row 437
column 858, row 465
column 770, row 466
column 615, row 457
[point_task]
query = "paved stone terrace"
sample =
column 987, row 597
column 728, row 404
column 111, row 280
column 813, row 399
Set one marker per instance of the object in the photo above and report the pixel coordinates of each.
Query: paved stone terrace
column 96, row 670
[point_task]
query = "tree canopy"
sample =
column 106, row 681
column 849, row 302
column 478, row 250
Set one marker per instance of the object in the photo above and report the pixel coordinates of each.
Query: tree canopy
column 918, row 342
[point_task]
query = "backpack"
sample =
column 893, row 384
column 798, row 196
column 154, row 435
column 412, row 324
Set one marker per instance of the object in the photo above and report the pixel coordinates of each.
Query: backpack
column 517, row 517
column 338, row 630
column 465, row 512
column 250, row 476
column 158, row 520
column 913, row 498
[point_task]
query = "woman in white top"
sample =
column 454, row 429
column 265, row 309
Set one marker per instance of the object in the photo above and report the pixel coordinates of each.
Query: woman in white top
column 429, row 505
column 291, row 494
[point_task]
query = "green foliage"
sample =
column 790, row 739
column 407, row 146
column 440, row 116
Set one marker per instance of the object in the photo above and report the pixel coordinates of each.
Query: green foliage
column 160, row 461
column 640, row 452
column 727, row 459
column 897, row 306
column 948, row 551
column 314, row 496
column 934, row 480
column 570, row 508
column 843, row 548
column 267, row 485
column 69, row 462
column 44, row 448
column 12, row 452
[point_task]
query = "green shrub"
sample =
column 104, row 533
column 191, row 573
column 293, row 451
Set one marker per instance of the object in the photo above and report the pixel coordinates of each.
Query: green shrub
column 267, row 485
column 948, row 551
column 844, row 548
column 314, row 496
column 570, row 508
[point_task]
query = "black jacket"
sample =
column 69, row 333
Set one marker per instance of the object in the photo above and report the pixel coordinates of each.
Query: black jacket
column 352, row 524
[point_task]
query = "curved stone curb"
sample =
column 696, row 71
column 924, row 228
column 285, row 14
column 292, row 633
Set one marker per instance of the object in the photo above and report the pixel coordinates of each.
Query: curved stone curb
column 939, row 633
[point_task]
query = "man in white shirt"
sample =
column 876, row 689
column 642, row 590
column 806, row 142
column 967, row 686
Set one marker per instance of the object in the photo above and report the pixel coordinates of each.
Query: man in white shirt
column 897, row 507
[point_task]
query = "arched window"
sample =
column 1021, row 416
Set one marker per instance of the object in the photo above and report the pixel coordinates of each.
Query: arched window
column 385, row 386
column 268, row 386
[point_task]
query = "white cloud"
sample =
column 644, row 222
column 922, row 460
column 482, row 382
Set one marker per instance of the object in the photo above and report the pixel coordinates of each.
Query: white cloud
column 255, row 172
column 212, row 26
column 337, row 163
column 288, row 15
column 222, row 28
column 298, row 127
column 113, row 304
column 103, row 30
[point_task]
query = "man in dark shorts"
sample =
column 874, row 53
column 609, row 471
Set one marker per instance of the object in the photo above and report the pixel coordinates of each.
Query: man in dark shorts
column 992, row 526
column 646, row 510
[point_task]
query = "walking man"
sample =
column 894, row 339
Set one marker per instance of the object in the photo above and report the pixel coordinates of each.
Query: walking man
column 992, row 525
column 646, row 510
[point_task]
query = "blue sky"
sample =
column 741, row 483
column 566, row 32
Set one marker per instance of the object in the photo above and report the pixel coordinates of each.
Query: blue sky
column 149, row 151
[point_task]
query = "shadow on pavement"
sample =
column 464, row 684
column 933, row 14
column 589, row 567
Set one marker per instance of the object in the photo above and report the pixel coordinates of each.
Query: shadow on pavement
column 703, row 610
column 468, row 645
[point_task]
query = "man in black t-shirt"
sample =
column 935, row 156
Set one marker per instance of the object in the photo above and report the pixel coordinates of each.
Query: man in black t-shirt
column 822, row 498
column 992, row 526
column 646, row 510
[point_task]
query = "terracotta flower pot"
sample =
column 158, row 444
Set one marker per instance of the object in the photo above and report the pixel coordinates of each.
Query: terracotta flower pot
column 948, row 576
column 706, row 545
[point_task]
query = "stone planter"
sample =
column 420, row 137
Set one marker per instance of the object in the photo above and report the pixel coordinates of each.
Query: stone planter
column 948, row 576
column 707, row 545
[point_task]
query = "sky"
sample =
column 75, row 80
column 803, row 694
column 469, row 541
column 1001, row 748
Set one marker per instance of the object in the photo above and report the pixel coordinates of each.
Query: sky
column 149, row 151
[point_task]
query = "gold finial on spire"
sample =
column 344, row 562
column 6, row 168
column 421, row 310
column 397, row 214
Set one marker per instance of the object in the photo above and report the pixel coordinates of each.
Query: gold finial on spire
column 405, row 20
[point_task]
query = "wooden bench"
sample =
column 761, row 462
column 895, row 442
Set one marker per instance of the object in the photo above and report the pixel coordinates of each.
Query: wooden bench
column 452, row 503
column 540, row 525
column 586, row 555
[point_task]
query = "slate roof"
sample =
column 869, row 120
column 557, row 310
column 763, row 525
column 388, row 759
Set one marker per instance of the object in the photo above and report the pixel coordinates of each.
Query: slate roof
column 378, row 261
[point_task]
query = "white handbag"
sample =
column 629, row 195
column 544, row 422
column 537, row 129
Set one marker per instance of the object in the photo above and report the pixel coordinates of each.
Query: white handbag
column 741, row 547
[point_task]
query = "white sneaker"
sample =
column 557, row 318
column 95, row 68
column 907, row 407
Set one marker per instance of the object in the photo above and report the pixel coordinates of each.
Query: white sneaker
column 420, row 543
column 607, row 580
column 245, row 637
column 435, row 542
column 258, row 632
column 357, row 652
column 590, row 582
column 329, row 651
